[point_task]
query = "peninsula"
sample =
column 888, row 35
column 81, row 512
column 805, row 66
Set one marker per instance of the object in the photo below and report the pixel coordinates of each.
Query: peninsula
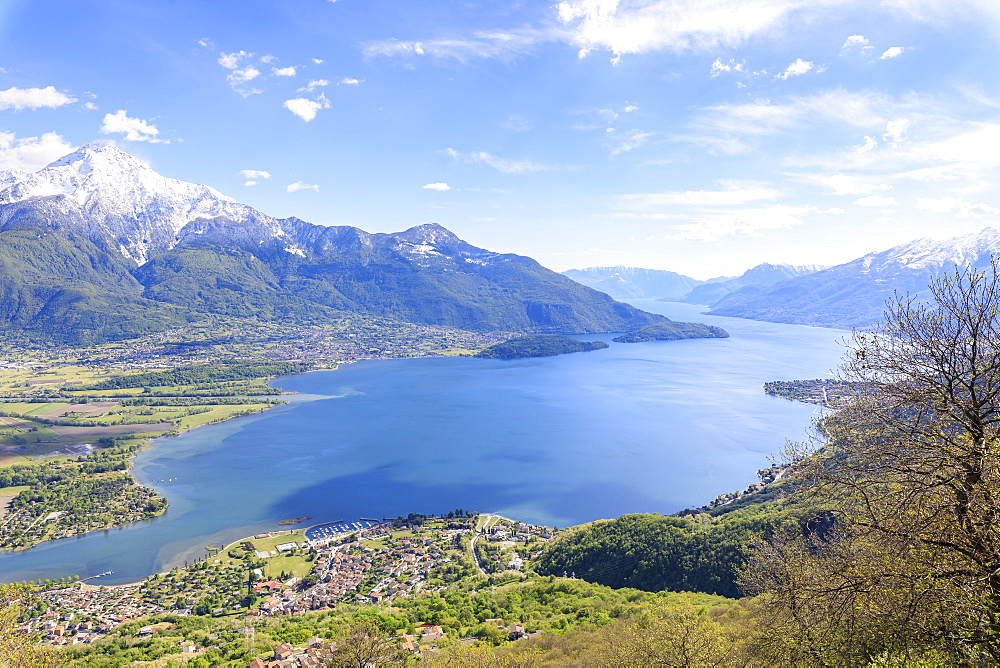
column 538, row 345
column 672, row 331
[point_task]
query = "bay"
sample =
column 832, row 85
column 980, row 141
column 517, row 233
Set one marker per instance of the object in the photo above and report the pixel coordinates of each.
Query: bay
column 650, row 427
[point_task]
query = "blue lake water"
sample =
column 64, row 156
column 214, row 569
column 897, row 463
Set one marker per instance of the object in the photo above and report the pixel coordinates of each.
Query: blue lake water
column 650, row 427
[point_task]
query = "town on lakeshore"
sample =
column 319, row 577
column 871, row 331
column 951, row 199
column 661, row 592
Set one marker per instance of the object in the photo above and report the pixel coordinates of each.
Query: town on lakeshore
column 291, row 572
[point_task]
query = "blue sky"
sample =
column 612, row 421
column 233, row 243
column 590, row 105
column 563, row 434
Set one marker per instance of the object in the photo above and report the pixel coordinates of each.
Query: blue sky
column 701, row 136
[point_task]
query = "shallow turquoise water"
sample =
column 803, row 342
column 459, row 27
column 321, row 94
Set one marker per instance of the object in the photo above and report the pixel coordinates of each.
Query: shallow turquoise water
column 652, row 427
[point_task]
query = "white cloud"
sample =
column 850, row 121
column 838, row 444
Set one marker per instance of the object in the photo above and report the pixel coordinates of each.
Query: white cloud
column 283, row 71
column 252, row 176
column 853, row 41
column 237, row 78
column 299, row 185
column 90, row 106
column 894, row 131
column 317, row 61
column 842, row 184
column 240, row 75
column 306, row 109
column 630, row 108
column 134, row 129
column 441, row 187
column 636, row 26
column 232, row 60
column 795, row 69
column 206, row 42
column 876, row 200
column 891, row 52
column 718, row 67
column 33, row 98
column 31, row 153
column 348, row 81
column 268, row 59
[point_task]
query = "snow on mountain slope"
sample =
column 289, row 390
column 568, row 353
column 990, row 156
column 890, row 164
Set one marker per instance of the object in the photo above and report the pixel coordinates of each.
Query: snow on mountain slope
column 933, row 254
column 854, row 294
column 9, row 177
column 111, row 193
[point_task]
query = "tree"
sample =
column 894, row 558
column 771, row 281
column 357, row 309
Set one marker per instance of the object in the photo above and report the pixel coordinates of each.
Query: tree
column 19, row 649
column 911, row 472
column 367, row 645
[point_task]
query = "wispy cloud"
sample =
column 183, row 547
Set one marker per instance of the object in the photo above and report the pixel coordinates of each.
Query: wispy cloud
column 891, row 52
column 134, row 129
column 299, row 185
column 498, row 44
column 503, row 165
column 630, row 140
column 735, row 128
column 440, row 187
column 313, row 85
column 33, row 98
column 284, row 71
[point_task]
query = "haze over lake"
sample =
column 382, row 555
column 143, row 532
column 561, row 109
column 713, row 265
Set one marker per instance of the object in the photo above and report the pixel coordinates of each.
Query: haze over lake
column 650, row 427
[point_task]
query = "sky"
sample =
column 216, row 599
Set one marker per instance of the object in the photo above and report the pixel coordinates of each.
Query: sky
column 699, row 136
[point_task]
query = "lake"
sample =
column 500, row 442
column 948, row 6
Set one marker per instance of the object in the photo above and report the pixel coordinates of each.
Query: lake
column 648, row 427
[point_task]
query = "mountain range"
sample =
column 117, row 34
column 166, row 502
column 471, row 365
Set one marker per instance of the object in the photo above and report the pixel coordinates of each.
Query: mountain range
column 849, row 295
column 632, row 282
column 762, row 275
column 854, row 294
column 97, row 246
column 635, row 283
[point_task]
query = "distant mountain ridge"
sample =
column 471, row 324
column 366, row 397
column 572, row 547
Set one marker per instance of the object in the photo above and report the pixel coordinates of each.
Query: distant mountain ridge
column 634, row 283
column 761, row 275
column 97, row 246
column 854, row 294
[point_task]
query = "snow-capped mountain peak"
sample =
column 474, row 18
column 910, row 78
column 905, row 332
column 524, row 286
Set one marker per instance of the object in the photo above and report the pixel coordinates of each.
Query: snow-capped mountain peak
column 934, row 254
column 108, row 192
